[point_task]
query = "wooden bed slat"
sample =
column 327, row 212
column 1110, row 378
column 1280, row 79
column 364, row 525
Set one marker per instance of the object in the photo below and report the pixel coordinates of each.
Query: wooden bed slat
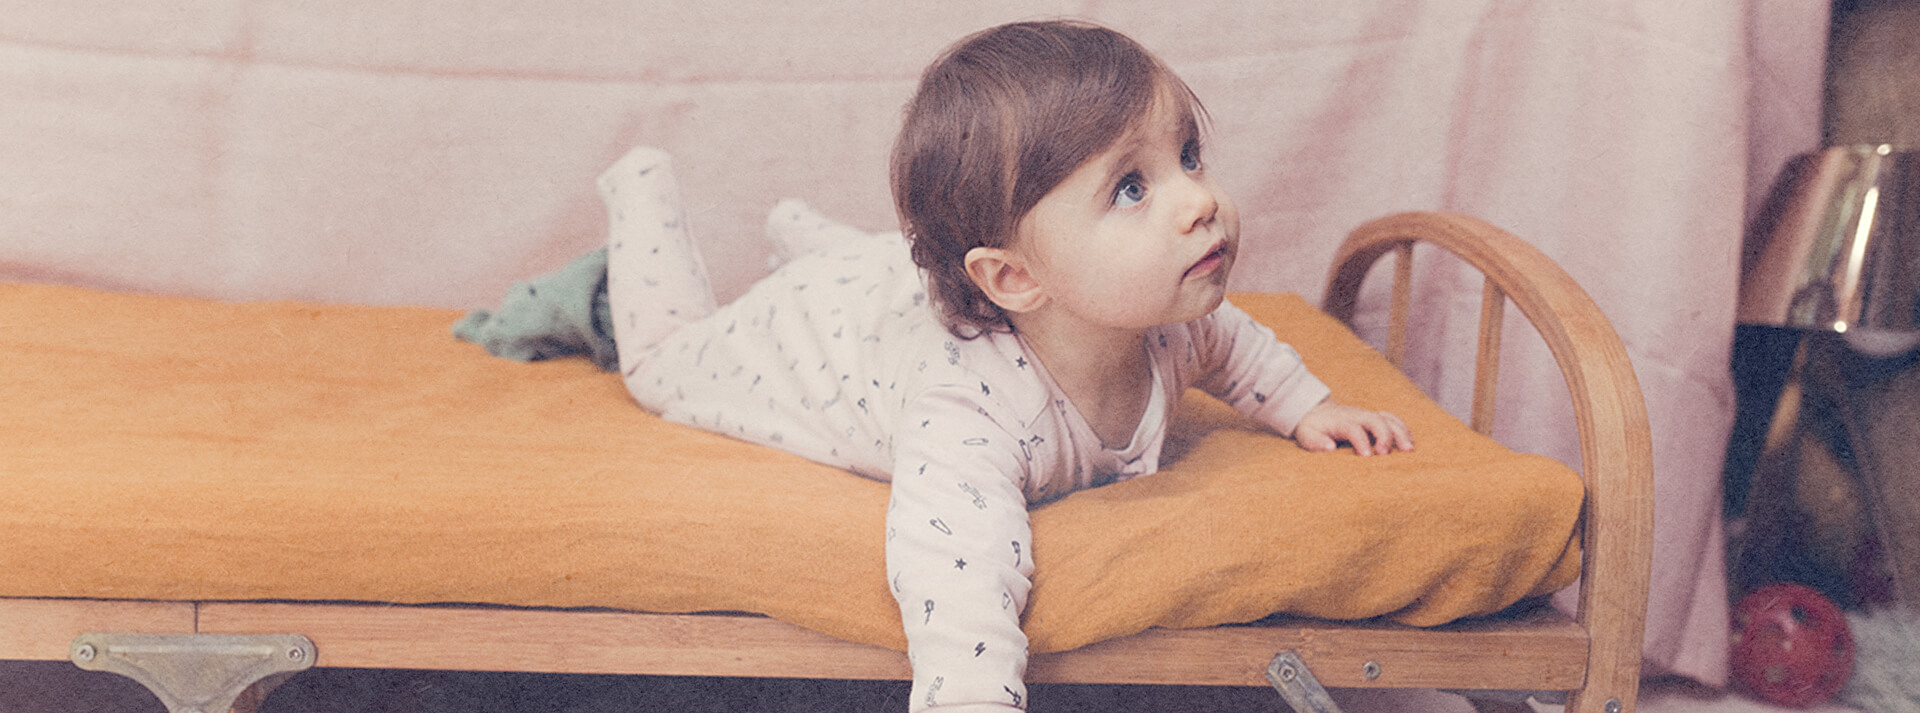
column 1546, row 651
column 558, row 641
column 1486, row 371
column 40, row 629
column 1402, row 307
column 1542, row 649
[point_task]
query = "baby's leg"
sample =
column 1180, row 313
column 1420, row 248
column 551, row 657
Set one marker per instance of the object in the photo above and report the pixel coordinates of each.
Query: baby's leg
column 656, row 281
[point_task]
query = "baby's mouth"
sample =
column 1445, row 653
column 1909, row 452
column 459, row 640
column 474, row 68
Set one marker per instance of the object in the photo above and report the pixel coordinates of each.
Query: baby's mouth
column 1212, row 262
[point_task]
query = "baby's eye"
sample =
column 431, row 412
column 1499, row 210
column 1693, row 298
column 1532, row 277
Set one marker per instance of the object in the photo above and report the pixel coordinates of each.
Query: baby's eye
column 1130, row 192
column 1190, row 156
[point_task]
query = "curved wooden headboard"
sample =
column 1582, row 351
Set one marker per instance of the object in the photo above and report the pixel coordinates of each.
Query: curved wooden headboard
column 1616, row 452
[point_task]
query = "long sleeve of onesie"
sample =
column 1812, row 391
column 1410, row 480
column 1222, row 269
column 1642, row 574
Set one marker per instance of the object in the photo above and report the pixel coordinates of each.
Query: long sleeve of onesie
column 1241, row 363
column 959, row 553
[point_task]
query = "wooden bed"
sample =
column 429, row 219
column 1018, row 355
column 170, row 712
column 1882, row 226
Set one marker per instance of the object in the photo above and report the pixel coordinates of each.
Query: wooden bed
column 1594, row 655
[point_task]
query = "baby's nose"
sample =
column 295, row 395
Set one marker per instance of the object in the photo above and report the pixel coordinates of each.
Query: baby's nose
column 1199, row 205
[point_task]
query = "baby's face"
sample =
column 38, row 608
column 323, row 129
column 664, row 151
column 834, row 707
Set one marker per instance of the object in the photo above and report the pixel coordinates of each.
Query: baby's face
column 1139, row 235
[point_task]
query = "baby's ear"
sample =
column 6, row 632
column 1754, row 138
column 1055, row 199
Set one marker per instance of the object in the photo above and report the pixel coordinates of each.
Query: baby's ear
column 1002, row 275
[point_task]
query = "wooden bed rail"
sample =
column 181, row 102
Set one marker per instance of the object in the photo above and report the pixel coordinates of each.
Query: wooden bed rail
column 1615, row 443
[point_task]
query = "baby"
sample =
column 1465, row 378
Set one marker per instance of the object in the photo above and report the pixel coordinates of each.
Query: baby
column 1060, row 284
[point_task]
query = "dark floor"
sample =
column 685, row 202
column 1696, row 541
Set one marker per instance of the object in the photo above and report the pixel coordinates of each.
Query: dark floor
column 59, row 687
column 49, row 687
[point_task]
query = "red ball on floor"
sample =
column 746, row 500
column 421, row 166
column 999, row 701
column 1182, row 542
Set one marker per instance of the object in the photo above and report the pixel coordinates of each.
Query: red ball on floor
column 1791, row 645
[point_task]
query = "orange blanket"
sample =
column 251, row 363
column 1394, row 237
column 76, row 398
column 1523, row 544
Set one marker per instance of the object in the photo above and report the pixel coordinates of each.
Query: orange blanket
column 165, row 448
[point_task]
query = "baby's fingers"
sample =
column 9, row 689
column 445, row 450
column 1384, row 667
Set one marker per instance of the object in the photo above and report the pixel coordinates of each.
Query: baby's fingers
column 1359, row 433
column 1379, row 432
column 1396, row 435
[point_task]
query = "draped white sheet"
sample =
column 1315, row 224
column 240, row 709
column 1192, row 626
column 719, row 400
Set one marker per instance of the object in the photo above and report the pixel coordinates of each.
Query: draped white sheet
column 431, row 152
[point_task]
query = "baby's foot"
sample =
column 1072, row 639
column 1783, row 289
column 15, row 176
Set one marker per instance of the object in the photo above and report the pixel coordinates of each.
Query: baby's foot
column 795, row 228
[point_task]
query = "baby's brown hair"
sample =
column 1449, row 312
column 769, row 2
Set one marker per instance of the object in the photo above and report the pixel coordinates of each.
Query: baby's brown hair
column 999, row 119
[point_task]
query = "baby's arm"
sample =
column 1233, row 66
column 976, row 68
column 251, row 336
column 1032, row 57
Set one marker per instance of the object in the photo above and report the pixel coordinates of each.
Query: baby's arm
column 959, row 555
column 1243, row 364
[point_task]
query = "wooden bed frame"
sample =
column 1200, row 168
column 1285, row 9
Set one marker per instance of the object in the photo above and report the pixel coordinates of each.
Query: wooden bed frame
column 1594, row 655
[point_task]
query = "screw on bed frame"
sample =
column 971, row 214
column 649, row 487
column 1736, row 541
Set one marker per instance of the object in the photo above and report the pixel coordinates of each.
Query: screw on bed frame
column 1290, row 676
column 1613, row 705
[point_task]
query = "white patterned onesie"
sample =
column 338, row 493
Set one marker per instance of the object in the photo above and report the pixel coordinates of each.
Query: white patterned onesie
column 838, row 357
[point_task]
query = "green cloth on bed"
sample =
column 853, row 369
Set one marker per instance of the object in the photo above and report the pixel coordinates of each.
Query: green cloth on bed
column 560, row 314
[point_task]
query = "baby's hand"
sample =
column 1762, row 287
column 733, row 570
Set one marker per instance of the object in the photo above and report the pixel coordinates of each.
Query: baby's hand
column 1369, row 432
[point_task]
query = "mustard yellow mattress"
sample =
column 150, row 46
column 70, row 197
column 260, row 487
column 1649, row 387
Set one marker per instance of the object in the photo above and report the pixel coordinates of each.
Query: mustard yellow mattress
column 166, row 448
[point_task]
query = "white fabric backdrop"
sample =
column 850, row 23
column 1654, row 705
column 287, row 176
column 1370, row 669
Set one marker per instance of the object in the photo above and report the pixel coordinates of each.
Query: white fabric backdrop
column 431, row 152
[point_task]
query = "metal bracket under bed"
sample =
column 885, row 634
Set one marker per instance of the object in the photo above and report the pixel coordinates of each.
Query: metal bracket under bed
column 195, row 673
